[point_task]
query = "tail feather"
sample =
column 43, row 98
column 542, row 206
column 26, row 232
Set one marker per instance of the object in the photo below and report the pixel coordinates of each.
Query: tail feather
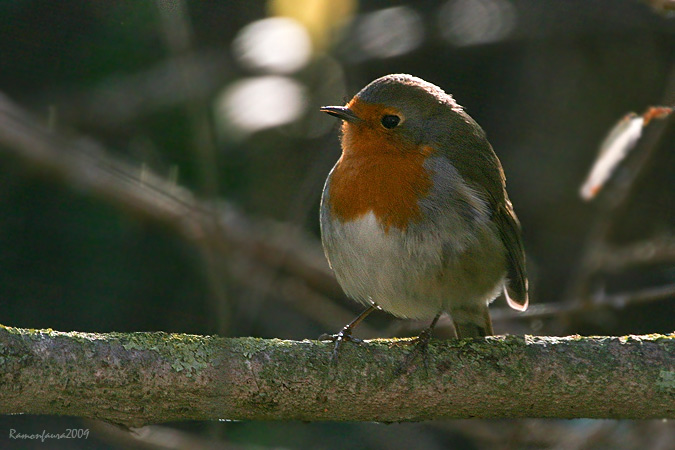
column 517, row 299
column 516, row 274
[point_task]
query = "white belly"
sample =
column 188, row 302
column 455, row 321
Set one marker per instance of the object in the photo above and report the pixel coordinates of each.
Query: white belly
column 375, row 267
column 409, row 274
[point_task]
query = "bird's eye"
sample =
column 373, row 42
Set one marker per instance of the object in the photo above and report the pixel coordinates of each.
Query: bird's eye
column 389, row 121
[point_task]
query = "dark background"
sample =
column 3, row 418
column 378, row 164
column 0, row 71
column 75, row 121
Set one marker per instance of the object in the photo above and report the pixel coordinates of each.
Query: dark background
column 148, row 81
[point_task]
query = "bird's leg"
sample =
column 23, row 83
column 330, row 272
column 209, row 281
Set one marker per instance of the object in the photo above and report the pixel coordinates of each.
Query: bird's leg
column 346, row 333
column 421, row 343
column 425, row 336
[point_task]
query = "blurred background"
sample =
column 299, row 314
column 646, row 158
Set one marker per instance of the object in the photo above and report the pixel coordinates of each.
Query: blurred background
column 181, row 184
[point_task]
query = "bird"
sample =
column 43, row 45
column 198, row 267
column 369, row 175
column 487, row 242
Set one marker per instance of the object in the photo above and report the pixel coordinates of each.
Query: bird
column 415, row 218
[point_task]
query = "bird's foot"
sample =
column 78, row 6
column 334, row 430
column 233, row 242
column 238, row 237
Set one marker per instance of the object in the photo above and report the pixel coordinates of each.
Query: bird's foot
column 343, row 336
column 421, row 344
column 346, row 333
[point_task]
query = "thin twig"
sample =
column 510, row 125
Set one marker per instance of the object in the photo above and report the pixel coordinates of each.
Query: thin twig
column 657, row 250
column 613, row 200
column 558, row 310
column 154, row 437
column 617, row 301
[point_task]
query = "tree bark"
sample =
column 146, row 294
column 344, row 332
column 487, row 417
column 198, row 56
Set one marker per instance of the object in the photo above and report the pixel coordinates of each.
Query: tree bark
column 143, row 378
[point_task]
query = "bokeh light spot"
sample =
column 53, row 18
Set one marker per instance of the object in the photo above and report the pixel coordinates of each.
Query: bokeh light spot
column 390, row 32
column 321, row 18
column 474, row 22
column 255, row 104
column 278, row 45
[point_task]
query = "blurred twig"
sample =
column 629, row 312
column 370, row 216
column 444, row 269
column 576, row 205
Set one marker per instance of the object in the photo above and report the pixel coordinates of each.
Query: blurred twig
column 618, row 301
column 659, row 249
column 617, row 145
column 266, row 281
column 547, row 310
column 613, row 200
column 155, row 437
column 545, row 434
column 121, row 99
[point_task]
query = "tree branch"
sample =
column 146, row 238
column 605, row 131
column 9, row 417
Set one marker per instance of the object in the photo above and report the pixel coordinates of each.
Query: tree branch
column 140, row 378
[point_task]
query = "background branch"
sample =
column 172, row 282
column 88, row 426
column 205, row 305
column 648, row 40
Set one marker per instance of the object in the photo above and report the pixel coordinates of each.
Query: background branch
column 615, row 199
column 218, row 227
column 84, row 164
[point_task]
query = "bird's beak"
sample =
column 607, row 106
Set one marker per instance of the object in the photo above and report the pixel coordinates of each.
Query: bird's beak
column 341, row 112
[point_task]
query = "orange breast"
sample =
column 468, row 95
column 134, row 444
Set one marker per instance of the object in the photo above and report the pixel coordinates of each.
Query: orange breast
column 378, row 173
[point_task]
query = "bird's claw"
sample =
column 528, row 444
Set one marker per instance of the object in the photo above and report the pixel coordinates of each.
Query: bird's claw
column 339, row 338
column 420, row 343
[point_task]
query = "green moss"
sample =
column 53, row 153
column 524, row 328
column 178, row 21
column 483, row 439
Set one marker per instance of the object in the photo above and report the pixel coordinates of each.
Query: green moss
column 10, row 330
column 666, row 381
column 186, row 353
column 249, row 347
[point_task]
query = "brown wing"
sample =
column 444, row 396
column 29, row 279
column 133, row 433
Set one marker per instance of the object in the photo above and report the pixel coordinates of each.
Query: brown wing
column 509, row 228
column 471, row 153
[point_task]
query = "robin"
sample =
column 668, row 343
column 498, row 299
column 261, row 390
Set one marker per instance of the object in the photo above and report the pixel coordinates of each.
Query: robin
column 415, row 218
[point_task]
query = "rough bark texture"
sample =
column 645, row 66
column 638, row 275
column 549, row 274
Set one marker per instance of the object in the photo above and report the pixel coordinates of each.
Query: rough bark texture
column 142, row 378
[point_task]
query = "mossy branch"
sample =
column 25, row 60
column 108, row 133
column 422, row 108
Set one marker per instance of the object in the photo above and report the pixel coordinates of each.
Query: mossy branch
column 141, row 378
